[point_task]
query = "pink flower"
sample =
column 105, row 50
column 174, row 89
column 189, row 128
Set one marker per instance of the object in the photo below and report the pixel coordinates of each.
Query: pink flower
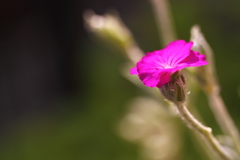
column 155, row 68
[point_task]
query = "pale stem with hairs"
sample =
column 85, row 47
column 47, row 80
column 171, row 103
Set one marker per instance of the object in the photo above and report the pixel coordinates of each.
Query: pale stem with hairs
column 203, row 131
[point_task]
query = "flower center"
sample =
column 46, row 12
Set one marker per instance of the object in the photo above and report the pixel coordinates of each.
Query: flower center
column 166, row 66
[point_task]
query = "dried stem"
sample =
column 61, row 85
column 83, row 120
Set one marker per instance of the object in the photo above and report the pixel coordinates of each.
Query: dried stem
column 203, row 131
column 164, row 20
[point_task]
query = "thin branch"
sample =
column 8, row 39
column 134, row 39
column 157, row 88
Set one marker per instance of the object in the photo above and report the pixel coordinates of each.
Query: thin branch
column 203, row 131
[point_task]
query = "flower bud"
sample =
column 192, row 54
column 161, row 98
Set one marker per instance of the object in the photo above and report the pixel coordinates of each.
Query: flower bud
column 175, row 90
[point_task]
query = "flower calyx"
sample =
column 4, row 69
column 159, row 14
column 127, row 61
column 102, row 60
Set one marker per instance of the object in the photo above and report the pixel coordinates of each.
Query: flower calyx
column 175, row 90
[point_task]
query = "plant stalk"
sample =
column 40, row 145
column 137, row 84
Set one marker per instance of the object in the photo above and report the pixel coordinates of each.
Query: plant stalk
column 203, row 131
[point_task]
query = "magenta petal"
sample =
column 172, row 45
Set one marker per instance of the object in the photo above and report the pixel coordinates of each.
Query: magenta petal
column 150, row 79
column 149, row 63
column 155, row 68
column 155, row 79
column 133, row 71
column 165, row 78
column 194, row 59
column 176, row 51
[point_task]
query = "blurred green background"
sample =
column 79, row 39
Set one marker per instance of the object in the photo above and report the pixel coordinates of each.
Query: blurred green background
column 62, row 96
